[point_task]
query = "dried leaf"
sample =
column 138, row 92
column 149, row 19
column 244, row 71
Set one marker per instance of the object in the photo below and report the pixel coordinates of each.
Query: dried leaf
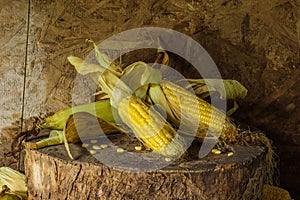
column 228, row 89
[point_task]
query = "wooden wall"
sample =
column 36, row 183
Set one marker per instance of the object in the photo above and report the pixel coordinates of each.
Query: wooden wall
column 13, row 49
column 256, row 42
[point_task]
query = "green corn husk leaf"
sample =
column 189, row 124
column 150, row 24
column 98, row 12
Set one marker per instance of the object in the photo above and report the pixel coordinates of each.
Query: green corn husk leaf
column 100, row 95
column 55, row 137
column 85, row 123
column 12, row 182
column 101, row 109
column 107, row 79
column 105, row 61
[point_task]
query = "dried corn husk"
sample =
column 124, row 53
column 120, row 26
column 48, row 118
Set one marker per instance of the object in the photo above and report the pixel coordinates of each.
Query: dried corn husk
column 81, row 122
column 84, row 125
column 105, row 61
column 7, row 196
column 272, row 192
column 227, row 89
column 12, row 184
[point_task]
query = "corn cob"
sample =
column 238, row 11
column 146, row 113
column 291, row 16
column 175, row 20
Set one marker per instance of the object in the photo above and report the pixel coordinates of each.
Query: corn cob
column 150, row 127
column 186, row 105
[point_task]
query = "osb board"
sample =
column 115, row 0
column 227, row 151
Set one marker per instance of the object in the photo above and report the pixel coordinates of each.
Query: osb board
column 59, row 28
column 13, row 34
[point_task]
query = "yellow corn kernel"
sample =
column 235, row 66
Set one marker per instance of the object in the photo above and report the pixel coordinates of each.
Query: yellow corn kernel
column 93, row 141
column 214, row 150
column 138, row 148
column 150, row 127
column 229, row 154
column 120, row 150
column 103, row 146
column 96, row 147
column 84, row 145
column 217, row 152
column 92, row 151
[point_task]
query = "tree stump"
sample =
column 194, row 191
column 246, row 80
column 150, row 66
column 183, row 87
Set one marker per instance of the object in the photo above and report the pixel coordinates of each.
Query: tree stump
column 52, row 175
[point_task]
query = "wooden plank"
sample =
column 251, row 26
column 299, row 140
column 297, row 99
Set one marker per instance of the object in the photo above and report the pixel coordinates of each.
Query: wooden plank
column 13, row 34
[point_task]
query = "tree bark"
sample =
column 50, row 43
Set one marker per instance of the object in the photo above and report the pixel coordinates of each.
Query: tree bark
column 52, row 175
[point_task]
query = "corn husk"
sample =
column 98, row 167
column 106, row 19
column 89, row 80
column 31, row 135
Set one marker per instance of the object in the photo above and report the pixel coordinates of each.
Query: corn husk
column 272, row 192
column 88, row 126
column 7, row 196
column 227, row 89
column 12, row 184
column 55, row 137
column 83, row 125
column 107, row 80
column 105, row 61
column 101, row 109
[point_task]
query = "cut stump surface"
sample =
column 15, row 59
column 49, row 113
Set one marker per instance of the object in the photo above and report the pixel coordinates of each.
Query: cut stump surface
column 111, row 175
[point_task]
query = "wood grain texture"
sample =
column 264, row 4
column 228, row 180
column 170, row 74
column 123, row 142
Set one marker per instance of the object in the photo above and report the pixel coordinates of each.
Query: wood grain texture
column 13, row 34
column 59, row 29
column 50, row 175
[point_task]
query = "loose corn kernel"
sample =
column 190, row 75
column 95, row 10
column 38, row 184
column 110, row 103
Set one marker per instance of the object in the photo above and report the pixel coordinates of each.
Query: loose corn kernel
column 93, row 141
column 96, row 147
column 92, row 151
column 84, row 145
column 120, row 150
column 230, row 154
column 103, row 146
column 217, row 152
column 138, row 148
column 214, row 150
